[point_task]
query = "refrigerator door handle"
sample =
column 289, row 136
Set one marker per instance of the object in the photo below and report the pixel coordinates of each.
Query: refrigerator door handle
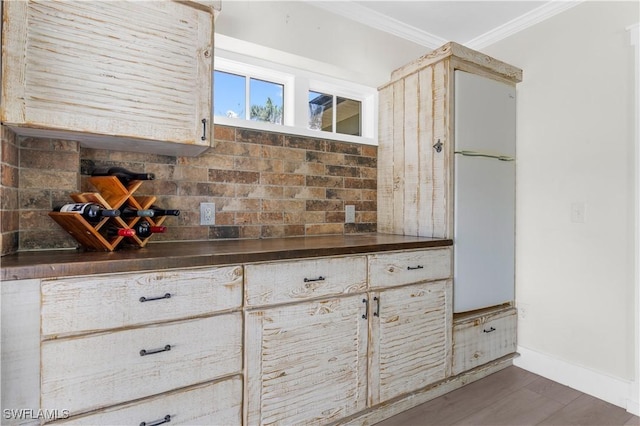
column 482, row 154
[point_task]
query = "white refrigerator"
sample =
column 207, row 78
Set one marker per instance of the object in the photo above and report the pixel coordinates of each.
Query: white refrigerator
column 484, row 192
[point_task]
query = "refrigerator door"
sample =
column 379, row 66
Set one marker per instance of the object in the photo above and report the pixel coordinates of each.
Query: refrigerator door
column 484, row 193
column 485, row 115
column 484, row 233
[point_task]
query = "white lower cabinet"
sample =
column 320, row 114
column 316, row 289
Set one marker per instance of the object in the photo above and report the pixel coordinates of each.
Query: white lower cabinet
column 483, row 337
column 89, row 372
column 213, row 403
column 306, row 363
column 335, row 339
column 410, row 339
column 323, row 355
column 143, row 346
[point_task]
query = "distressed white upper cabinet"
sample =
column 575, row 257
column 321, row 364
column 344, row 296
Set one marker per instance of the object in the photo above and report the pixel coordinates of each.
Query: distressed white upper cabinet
column 125, row 75
column 416, row 139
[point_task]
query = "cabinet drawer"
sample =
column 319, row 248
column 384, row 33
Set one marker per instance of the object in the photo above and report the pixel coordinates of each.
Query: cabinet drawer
column 85, row 304
column 278, row 282
column 406, row 267
column 214, row 403
column 482, row 339
column 84, row 373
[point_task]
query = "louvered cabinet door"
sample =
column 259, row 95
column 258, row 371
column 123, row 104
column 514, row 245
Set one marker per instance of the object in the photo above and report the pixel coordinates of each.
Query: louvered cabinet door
column 410, row 337
column 139, row 70
column 306, row 363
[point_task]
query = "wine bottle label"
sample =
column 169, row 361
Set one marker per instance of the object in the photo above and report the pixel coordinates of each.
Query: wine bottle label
column 74, row 208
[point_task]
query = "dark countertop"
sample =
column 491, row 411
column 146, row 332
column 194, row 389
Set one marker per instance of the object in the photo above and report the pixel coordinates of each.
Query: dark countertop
column 156, row 256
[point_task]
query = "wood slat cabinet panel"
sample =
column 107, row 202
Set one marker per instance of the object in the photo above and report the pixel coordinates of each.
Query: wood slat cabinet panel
column 94, row 303
column 410, row 344
column 20, row 347
column 481, row 339
column 414, row 178
column 213, row 403
column 109, row 73
column 283, row 282
column 94, row 371
column 306, row 363
column 406, row 267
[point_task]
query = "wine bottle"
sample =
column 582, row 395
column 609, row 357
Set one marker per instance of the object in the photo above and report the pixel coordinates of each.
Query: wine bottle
column 114, row 231
column 125, row 176
column 144, row 229
column 164, row 212
column 130, row 212
column 92, row 212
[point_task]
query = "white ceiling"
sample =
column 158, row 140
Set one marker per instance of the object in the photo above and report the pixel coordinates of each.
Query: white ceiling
column 475, row 24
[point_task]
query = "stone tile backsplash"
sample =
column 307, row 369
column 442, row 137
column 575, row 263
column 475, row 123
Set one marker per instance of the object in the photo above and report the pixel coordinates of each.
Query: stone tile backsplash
column 264, row 185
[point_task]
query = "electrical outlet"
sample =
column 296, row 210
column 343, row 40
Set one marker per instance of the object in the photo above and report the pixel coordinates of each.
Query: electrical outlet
column 349, row 214
column 207, row 213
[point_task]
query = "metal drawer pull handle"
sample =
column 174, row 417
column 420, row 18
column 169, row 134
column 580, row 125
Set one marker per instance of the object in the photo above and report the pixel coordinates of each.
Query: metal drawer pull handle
column 308, row 280
column 489, row 330
column 204, row 129
column 366, row 308
column 144, row 352
column 377, row 312
column 149, row 299
column 411, row 268
column 166, row 419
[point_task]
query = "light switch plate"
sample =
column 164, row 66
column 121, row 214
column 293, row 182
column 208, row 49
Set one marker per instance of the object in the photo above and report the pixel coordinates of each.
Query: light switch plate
column 207, row 213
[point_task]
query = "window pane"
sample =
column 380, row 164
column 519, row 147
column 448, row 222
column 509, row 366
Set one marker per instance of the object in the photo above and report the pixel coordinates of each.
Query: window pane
column 229, row 95
column 320, row 111
column 266, row 101
column 348, row 114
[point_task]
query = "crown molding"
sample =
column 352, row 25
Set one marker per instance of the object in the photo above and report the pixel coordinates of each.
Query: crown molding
column 379, row 21
column 351, row 10
column 522, row 22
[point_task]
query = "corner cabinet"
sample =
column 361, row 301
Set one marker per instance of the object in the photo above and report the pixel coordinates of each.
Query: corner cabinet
column 126, row 75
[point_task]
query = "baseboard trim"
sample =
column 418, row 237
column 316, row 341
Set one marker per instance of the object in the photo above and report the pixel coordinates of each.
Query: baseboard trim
column 602, row 386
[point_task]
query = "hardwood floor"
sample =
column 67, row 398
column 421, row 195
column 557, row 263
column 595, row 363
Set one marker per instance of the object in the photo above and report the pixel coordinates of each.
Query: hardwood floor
column 514, row 397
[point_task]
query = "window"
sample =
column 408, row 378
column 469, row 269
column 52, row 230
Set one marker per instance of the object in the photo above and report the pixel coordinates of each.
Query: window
column 230, row 98
column 347, row 114
column 293, row 101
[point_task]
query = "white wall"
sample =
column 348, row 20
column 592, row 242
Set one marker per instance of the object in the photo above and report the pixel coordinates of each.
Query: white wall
column 313, row 39
column 575, row 281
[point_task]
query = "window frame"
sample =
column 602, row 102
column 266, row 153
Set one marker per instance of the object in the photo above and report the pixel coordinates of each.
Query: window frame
column 297, row 84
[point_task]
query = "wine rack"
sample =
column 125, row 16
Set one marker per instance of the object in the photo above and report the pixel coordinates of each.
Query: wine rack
column 112, row 194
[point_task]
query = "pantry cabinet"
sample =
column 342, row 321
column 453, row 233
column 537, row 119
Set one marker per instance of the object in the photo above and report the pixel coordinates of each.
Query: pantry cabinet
column 126, row 75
